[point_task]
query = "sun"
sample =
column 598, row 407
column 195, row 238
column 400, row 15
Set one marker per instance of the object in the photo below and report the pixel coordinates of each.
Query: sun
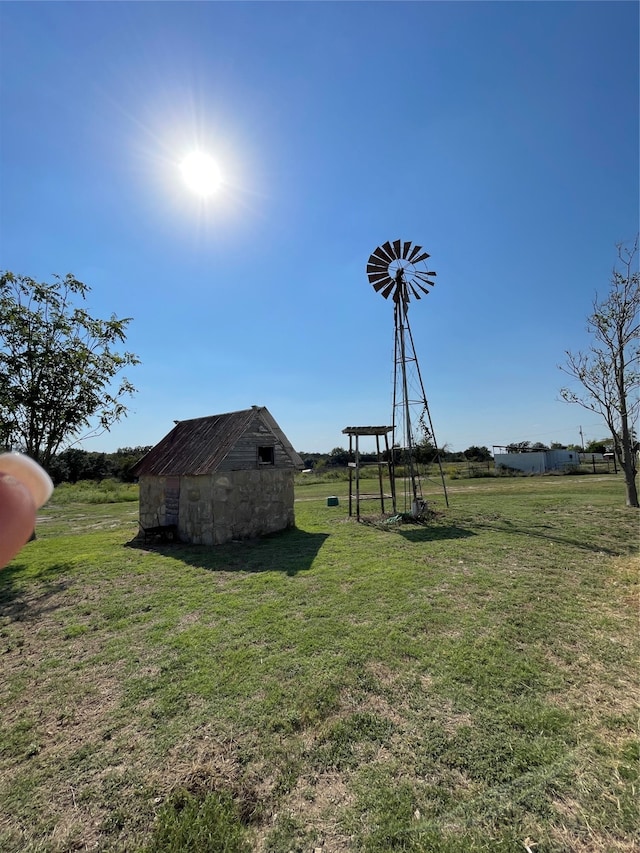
column 201, row 173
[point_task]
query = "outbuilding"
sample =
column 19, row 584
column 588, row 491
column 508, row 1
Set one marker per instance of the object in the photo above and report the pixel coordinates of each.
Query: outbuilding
column 219, row 478
column 538, row 461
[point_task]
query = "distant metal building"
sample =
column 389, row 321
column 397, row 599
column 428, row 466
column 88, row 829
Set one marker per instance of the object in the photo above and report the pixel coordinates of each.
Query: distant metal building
column 537, row 461
column 219, row 478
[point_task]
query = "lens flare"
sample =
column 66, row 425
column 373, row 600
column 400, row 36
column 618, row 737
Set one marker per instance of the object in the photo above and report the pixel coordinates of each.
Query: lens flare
column 201, row 173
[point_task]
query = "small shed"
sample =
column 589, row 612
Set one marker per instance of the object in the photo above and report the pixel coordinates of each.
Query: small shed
column 220, row 478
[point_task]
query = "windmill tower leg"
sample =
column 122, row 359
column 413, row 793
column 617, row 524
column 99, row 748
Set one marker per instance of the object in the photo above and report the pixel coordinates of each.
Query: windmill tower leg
column 428, row 414
column 401, row 393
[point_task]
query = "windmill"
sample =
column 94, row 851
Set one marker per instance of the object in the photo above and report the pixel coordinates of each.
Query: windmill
column 399, row 270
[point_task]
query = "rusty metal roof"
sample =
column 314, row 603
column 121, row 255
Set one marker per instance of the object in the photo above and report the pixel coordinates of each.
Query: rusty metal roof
column 198, row 446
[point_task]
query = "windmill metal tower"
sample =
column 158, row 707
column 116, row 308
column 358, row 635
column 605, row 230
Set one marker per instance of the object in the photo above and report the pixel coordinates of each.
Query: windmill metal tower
column 399, row 270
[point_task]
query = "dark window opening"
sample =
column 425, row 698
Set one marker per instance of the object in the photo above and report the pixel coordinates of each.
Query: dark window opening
column 266, row 456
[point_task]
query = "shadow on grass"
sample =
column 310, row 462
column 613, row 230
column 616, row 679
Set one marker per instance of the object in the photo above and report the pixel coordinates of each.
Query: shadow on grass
column 433, row 534
column 419, row 531
column 19, row 604
column 290, row 551
column 509, row 527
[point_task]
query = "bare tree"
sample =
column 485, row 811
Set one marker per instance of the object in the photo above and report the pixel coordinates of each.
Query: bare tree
column 609, row 371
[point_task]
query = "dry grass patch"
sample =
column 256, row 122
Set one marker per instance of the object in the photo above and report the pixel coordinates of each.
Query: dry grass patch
column 574, row 834
column 317, row 805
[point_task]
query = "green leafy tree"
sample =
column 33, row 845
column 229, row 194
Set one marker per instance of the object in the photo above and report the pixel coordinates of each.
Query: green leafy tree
column 609, row 371
column 338, row 457
column 519, row 447
column 74, row 464
column 478, row 454
column 123, row 460
column 59, row 367
column 597, row 446
column 425, row 451
column 68, row 466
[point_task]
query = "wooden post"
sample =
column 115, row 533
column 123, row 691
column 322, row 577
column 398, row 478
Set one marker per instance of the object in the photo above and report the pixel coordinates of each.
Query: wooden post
column 379, row 461
column 350, row 476
column 392, row 472
column 357, row 479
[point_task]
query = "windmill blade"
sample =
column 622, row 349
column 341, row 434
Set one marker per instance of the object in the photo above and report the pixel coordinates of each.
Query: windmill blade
column 414, row 252
column 388, row 289
column 378, row 257
column 388, row 248
column 421, row 257
column 423, row 277
column 382, row 278
column 382, row 253
column 382, row 267
column 422, row 288
column 397, row 246
column 431, row 272
column 378, row 276
column 414, row 290
column 377, row 268
column 380, row 284
column 405, row 251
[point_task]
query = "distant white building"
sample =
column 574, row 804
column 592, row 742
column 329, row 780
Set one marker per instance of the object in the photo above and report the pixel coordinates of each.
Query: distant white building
column 538, row 461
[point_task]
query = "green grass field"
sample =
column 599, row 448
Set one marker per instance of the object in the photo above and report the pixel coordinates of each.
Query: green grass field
column 470, row 684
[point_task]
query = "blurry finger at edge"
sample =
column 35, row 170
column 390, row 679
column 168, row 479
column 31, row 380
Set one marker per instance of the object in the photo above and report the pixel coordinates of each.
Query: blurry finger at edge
column 17, row 517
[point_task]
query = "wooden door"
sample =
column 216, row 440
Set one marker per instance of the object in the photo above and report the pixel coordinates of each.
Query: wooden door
column 172, row 500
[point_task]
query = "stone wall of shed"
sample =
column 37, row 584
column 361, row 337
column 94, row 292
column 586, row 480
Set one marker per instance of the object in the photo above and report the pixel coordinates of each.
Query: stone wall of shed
column 153, row 510
column 195, row 524
column 223, row 506
column 251, row 503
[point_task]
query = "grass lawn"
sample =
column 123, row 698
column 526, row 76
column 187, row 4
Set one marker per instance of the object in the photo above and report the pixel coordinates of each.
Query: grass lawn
column 470, row 684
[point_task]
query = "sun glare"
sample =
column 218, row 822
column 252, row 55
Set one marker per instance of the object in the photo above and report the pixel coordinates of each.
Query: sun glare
column 201, row 173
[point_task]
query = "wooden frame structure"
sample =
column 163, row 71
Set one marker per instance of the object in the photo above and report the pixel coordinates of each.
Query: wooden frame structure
column 354, row 465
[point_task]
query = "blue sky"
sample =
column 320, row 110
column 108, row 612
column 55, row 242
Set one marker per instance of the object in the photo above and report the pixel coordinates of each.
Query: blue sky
column 503, row 137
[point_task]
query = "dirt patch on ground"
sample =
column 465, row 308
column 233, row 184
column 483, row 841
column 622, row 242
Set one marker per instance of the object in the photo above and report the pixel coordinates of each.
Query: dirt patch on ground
column 317, row 803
